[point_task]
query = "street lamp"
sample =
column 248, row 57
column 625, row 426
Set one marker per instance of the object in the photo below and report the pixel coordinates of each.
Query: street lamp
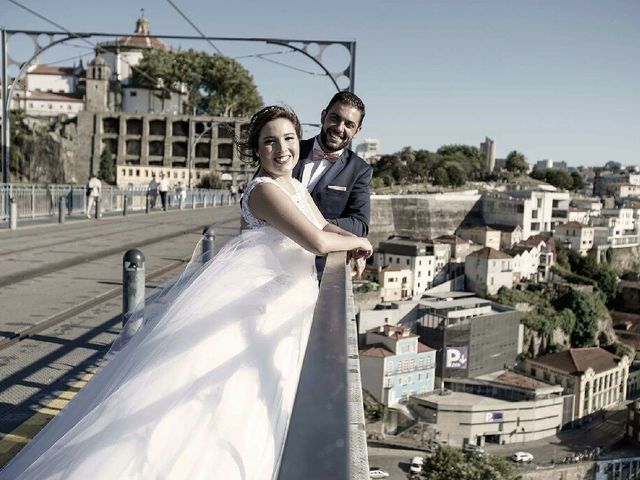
column 192, row 146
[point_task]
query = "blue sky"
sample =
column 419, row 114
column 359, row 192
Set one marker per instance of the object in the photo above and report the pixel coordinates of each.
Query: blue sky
column 553, row 79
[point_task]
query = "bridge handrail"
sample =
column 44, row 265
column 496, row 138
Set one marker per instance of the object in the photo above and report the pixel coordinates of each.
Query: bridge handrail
column 326, row 437
column 38, row 200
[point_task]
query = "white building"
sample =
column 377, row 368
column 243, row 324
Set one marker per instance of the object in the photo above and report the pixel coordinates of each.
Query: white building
column 482, row 235
column 396, row 283
column 369, row 150
column 617, row 228
column 526, row 261
column 488, row 149
column 425, row 260
column 535, row 211
column 576, row 236
column 488, row 270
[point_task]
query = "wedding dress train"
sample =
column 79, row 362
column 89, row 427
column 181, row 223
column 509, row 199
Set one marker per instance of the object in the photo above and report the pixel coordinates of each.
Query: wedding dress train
column 206, row 388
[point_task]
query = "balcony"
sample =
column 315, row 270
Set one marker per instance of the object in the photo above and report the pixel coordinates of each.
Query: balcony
column 326, row 437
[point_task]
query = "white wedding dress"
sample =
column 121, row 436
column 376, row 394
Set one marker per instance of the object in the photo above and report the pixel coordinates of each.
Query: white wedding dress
column 206, row 388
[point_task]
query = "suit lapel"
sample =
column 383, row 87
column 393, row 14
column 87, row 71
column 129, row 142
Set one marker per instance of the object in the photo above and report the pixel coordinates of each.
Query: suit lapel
column 333, row 172
column 305, row 151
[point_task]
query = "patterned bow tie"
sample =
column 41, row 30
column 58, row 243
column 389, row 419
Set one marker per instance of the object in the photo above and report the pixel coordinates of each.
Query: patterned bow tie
column 319, row 154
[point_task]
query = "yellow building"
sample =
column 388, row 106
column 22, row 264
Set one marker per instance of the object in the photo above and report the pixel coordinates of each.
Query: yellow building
column 596, row 378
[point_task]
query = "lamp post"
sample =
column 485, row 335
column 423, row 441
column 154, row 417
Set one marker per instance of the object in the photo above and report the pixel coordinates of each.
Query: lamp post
column 192, row 146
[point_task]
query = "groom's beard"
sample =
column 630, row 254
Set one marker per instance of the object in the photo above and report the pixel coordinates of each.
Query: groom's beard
column 332, row 148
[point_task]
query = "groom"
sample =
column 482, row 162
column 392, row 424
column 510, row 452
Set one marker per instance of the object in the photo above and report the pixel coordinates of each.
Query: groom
column 336, row 177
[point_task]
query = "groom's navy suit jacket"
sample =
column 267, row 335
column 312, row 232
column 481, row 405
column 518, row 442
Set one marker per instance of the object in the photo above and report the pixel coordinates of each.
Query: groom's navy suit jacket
column 342, row 193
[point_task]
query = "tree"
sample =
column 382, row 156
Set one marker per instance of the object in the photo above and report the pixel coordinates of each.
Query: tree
column 558, row 178
column 516, row 163
column 449, row 463
column 586, row 314
column 578, row 181
column 106, row 170
column 456, row 174
column 468, row 157
column 441, row 177
column 215, row 85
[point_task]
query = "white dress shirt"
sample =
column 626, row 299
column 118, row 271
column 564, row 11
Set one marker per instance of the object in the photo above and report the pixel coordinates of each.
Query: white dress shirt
column 314, row 169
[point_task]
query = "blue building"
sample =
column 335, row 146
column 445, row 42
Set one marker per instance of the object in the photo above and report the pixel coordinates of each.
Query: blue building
column 395, row 365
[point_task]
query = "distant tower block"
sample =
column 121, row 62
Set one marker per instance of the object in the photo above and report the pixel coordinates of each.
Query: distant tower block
column 488, row 148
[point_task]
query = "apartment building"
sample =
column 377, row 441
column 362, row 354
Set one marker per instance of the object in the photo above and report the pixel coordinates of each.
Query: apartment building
column 396, row 283
column 488, row 270
column 535, row 211
column 395, row 365
column 482, row 235
column 426, row 260
column 617, row 228
column 575, row 236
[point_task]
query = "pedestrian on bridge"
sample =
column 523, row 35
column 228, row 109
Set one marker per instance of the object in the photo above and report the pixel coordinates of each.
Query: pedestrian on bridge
column 163, row 188
column 94, row 189
column 152, row 191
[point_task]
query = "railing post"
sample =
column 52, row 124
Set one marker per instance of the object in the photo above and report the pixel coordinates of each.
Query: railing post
column 125, row 204
column 208, row 243
column 193, row 200
column 132, row 285
column 97, row 208
column 146, row 207
column 13, row 214
column 181, row 202
column 61, row 209
column 204, row 201
column 70, row 201
column 33, row 201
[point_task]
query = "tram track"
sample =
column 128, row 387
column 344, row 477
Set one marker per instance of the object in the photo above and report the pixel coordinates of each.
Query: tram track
column 93, row 256
column 28, row 332
column 83, row 307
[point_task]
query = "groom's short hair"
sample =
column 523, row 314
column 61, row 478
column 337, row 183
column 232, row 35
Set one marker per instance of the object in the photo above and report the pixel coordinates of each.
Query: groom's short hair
column 348, row 98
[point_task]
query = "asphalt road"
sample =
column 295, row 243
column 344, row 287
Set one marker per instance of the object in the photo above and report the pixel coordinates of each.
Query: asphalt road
column 394, row 461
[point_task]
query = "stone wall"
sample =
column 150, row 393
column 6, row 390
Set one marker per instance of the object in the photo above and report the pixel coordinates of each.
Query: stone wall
column 580, row 471
column 423, row 215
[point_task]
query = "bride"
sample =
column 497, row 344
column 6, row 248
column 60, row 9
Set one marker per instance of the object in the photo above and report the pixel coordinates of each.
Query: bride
column 206, row 388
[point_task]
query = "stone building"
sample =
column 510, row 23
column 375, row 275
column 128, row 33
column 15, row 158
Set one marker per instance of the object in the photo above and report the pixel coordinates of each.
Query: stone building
column 596, row 378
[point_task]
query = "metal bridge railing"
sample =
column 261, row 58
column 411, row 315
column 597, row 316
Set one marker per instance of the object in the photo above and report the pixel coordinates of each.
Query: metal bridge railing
column 326, row 437
column 38, row 201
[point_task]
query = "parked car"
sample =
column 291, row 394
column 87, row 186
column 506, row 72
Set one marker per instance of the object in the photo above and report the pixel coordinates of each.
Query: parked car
column 416, row 464
column 377, row 472
column 473, row 450
column 522, row 457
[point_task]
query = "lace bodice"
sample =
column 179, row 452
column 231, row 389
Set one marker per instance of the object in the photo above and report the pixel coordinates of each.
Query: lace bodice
column 299, row 199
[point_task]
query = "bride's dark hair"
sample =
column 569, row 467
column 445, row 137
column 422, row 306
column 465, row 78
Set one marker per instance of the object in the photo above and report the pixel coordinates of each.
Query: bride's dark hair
column 250, row 144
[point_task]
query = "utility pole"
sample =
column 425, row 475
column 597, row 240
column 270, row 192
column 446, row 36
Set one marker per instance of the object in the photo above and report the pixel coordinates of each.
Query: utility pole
column 191, row 150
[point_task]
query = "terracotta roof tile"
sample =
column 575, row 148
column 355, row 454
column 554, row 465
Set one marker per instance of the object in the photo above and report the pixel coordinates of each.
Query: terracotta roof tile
column 376, row 350
column 489, row 253
column 578, row 360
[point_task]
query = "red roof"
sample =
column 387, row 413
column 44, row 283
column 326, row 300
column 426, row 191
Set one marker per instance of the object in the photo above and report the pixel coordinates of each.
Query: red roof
column 578, row 360
column 376, row 350
column 489, row 253
column 51, row 70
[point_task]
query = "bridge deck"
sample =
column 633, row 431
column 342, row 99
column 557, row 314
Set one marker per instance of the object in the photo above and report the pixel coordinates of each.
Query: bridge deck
column 60, row 302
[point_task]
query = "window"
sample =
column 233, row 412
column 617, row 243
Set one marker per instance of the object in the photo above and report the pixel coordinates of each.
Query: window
column 533, row 372
column 407, row 261
column 133, row 94
column 397, row 260
column 419, row 273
